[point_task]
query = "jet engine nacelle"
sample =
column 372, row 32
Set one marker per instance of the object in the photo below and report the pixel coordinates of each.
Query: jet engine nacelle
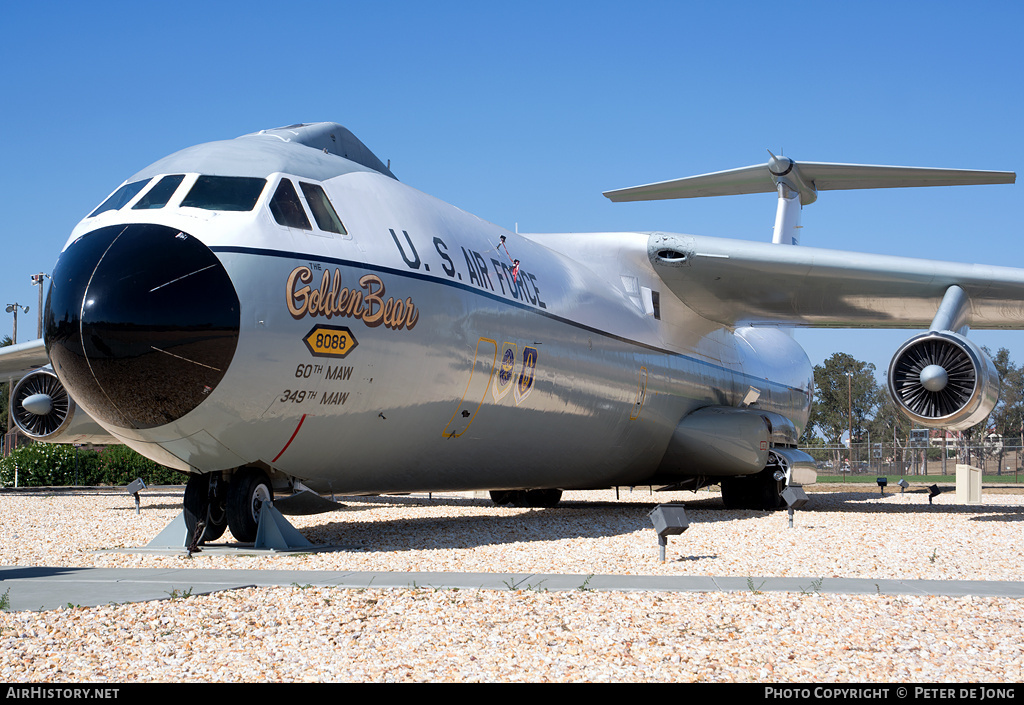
column 43, row 411
column 940, row 379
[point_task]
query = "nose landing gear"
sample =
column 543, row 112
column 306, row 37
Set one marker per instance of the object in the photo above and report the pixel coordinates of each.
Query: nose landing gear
column 213, row 504
column 205, row 518
column 249, row 489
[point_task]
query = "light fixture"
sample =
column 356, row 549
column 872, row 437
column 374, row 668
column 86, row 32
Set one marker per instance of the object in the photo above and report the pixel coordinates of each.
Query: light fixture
column 668, row 520
column 134, row 488
column 795, row 498
column 903, row 485
column 933, row 492
column 882, row 482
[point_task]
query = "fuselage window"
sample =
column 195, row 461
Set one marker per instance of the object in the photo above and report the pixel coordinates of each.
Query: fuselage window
column 224, row 193
column 323, row 212
column 287, row 208
column 120, row 197
column 159, row 195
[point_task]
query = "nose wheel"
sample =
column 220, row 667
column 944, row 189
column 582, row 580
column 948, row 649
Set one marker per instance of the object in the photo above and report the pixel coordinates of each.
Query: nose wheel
column 205, row 506
column 249, row 489
column 212, row 504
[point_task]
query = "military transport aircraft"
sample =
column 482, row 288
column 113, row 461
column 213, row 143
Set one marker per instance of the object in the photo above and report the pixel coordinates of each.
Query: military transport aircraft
column 277, row 312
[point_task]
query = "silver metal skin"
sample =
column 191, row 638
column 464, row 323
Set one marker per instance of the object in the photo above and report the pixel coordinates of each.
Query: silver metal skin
column 934, row 378
column 798, row 185
column 479, row 358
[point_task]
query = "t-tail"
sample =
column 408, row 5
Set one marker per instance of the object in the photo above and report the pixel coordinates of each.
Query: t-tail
column 798, row 184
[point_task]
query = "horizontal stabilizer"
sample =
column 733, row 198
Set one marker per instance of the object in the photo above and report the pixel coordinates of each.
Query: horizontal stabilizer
column 807, row 178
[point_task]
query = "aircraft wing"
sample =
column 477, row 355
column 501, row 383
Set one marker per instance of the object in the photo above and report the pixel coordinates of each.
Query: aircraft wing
column 16, row 360
column 741, row 282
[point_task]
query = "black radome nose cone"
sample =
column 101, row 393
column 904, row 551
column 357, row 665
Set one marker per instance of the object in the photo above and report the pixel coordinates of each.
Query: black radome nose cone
column 141, row 323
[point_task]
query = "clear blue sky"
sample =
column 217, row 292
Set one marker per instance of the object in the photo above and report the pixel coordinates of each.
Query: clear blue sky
column 525, row 112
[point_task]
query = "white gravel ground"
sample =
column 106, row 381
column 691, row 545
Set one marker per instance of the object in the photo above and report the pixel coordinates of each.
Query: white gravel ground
column 331, row 634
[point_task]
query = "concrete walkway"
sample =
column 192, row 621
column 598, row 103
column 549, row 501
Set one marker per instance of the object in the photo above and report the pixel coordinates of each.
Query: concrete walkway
column 41, row 588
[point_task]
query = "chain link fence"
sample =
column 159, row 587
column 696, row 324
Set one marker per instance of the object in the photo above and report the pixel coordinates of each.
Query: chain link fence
column 993, row 458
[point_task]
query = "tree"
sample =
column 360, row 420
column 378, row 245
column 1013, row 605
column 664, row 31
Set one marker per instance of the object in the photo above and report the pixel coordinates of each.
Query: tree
column 889, row 425
column 5, row 388
column 1006, row 419
column 845, row 394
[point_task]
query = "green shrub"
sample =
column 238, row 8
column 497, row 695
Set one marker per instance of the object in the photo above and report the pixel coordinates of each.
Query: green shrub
column 59, row 464
column 119, row 465
column 42, row 464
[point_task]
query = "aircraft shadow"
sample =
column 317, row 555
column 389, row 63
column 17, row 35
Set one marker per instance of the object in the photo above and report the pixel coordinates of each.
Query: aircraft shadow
column 174, row 505
column 26, row 572
column 571, row 521
column 890, row 503
column 588, row 519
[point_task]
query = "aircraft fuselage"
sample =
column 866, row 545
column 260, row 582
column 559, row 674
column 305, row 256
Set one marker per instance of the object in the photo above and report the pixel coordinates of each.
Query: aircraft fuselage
column 408, row 353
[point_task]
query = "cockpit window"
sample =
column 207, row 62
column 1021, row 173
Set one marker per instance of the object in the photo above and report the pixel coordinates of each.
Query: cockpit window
column 224, row 193
column 160, row 194
column 286, row 207
column 120, row 197
column 323, row 212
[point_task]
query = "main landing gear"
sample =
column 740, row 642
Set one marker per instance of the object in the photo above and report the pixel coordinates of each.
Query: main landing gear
column 787, row 467
column 214, row 503
column 760, row 491
column 526, row 498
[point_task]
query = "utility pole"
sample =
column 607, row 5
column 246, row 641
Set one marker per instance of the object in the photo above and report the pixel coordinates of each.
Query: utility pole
column 849, row 409
column 13, row 308
column 37, row 280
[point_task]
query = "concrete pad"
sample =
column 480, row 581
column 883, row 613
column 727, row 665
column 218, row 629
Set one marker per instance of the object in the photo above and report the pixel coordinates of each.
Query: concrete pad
column 41, row 588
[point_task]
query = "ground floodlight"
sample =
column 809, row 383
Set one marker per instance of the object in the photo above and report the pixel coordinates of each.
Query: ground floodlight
column 933, row 492
column 134, row 488
column 903, row 485
column 882, row 482
column 668, row 520
column 795, row 498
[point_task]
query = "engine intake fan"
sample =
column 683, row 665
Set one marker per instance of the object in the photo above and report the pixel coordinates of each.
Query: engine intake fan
column 41, row 405
column 940, row 379
column 43, row 411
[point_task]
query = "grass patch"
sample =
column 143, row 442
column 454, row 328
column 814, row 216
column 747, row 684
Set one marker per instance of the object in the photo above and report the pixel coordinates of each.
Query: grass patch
column 912, row 479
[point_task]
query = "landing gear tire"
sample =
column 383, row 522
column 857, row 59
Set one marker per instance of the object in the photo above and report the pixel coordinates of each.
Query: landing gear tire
column 249, row 488
column 502, row 498
column 526, row 498
column 204, row 509
column 760, row 491
column 771, row 490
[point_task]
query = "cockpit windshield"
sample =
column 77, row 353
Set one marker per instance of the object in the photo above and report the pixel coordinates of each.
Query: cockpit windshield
column 160, row 194
column 120, row 197
column 224, row 193
column 286, row 208
column 324, row 213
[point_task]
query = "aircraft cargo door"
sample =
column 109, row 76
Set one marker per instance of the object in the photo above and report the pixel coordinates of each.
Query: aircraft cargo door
column 476, row 388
